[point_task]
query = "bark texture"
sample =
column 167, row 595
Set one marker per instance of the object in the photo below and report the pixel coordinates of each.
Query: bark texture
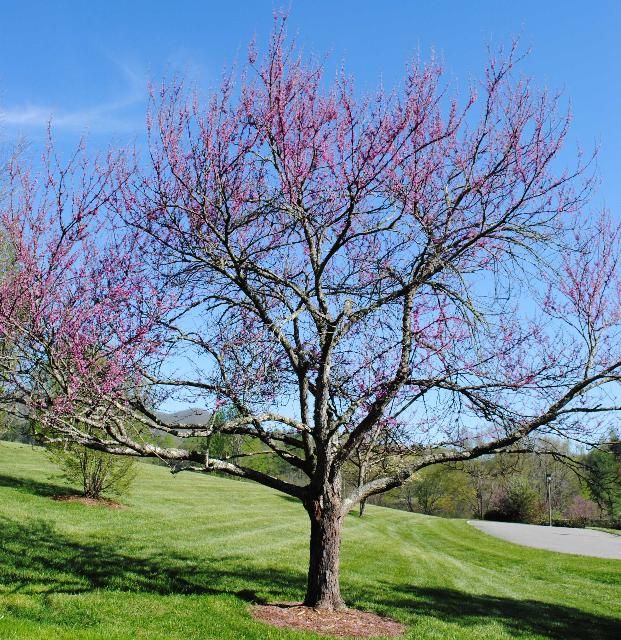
column 323, row 589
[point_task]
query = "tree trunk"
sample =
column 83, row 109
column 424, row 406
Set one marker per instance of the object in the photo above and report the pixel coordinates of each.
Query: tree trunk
column 362, row 472
column 480, row 506
column 323, row 589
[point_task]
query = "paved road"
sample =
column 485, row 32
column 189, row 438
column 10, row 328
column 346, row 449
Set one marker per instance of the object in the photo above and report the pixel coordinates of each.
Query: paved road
column 585, row 542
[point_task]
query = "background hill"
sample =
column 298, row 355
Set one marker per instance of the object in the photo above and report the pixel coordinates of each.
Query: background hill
column 189, row 553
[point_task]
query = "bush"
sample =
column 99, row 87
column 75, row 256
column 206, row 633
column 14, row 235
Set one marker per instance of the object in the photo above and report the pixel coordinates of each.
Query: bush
column 96, row 472
column 518, row 503
column 581, row 511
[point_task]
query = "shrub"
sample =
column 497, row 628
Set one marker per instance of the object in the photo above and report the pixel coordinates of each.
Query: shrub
column 518, row 503
column 98, row 473
column 581, row 511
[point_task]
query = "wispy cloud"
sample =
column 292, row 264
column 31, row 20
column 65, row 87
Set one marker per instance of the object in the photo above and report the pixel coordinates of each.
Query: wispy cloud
column 118, row 115
column 123, row 113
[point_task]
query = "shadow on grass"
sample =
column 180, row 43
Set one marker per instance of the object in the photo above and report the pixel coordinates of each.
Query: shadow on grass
column 36, row 558
column 518, row 617
column 287, row 498
column 36, row 487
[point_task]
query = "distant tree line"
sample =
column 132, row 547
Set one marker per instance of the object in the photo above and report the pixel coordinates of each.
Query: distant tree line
column 585, row 486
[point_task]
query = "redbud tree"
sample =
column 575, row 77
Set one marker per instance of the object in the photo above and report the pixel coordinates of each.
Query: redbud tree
column 337, row 270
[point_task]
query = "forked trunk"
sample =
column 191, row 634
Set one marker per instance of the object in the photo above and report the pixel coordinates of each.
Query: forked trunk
column 323, row 588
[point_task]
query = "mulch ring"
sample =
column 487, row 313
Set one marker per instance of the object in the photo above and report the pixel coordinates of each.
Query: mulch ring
column 91, row 502
column 347, row 623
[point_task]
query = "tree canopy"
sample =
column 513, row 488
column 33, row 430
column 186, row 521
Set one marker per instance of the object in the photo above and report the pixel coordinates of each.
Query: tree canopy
column 329, row 265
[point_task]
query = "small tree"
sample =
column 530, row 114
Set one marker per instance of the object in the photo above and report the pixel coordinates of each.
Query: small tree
column 438, row 490
column 373, row 458
column 96, row 472
column 487, row 477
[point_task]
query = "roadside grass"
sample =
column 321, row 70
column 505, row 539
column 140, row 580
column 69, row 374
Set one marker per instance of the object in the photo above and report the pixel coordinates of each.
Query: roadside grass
column 190, row 553
column 615, row 532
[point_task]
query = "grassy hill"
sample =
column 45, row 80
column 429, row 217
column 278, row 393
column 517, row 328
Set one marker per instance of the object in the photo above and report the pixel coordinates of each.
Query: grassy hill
column 190, row 553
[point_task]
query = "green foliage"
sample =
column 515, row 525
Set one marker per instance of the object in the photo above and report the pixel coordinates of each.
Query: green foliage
column 181, row 563
column 486, row 477
column 7, row 425
column 438, row 490
column 7, row 256
column 604, row 476
column 219, row 445
column 246, row 450
column 97, row 473
column 15, row 429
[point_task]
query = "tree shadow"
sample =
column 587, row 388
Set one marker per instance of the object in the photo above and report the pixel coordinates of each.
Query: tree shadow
column 36, row 487
column 284, row 496
column 520, row 618
column 36, row 558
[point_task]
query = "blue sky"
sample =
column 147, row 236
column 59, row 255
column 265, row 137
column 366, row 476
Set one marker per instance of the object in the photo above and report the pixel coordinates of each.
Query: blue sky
column 87, row 64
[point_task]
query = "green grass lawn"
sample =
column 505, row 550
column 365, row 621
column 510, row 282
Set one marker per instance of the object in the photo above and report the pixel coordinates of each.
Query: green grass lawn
column 190, row 553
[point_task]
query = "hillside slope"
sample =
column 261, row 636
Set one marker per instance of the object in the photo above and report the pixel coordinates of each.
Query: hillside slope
column 190, row 552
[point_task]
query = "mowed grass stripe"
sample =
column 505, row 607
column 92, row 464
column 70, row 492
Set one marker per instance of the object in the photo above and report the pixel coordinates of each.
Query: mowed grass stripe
column 190, row 552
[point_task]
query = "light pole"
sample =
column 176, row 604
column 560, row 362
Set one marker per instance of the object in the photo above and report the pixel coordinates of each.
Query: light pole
column 549, row 483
